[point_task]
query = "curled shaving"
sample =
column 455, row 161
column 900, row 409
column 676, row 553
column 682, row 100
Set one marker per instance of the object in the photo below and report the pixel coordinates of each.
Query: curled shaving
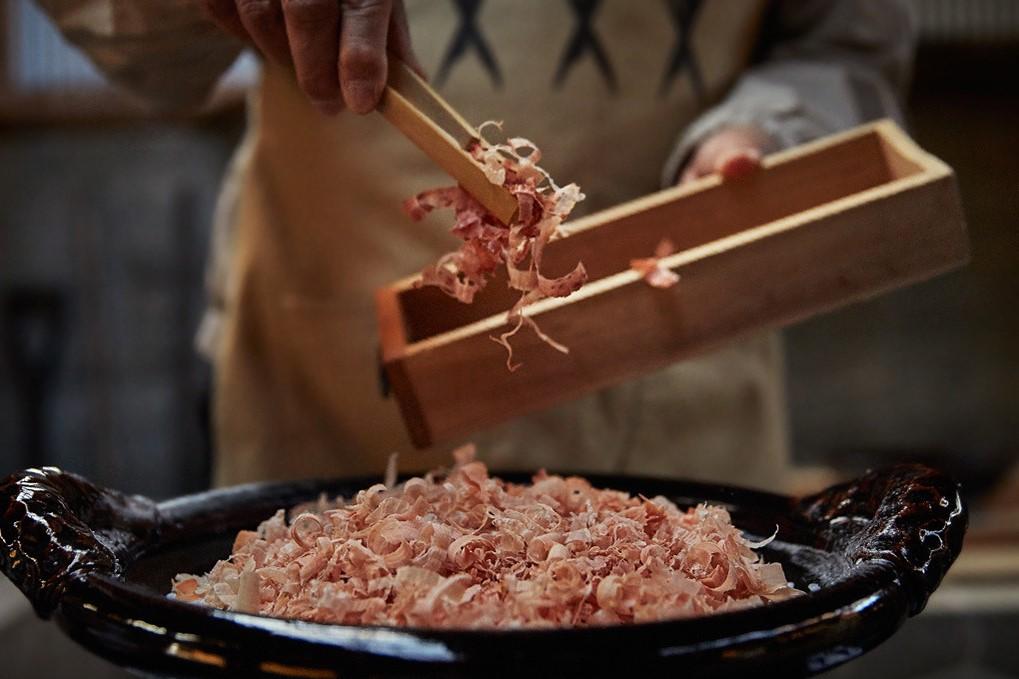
column 488, row 244
column 656, row 275
column 460, row 549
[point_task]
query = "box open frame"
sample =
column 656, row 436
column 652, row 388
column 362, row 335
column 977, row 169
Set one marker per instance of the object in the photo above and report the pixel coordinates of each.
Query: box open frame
column 822, row 225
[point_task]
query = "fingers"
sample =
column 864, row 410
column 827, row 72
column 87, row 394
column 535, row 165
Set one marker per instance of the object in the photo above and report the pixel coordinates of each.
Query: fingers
column 337, row 47
column 736, row 163
column 363, row 37
column 263, row 22
column 313, row 29
column 739, row 163
column 733, row 153
column 691, row 173
column 702, row 164
column 223, row 13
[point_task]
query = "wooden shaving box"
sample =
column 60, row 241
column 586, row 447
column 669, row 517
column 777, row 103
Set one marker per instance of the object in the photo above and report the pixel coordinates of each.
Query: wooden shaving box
column 821, row 226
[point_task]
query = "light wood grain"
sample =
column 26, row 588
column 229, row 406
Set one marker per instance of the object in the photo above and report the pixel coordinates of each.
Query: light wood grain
column 822, row 226
column 425, row 118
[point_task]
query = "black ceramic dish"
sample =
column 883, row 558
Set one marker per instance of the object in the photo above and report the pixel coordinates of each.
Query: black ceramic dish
column 99, row 563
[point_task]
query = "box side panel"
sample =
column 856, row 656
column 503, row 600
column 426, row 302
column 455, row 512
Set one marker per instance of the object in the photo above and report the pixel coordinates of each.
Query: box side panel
column 610, row 239
column 631, row 329
column 415, row 419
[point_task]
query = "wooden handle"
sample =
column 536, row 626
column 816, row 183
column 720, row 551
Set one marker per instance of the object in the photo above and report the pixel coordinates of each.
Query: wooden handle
column 425, row 118
column 908, row 518
column 56, row 528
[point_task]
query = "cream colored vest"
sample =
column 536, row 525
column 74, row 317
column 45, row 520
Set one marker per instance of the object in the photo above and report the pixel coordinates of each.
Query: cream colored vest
column 604, row 89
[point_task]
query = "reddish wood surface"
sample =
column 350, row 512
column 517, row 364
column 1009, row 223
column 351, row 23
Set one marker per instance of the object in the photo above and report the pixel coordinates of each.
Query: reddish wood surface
column 823, row 225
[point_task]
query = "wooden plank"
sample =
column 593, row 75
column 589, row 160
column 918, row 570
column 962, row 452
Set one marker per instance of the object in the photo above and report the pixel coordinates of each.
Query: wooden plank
column 880, row 233
column 625, row 328
column 415, row 109
column 901, row 154
column 984, row 562
column 393, row 346
column 689, row 216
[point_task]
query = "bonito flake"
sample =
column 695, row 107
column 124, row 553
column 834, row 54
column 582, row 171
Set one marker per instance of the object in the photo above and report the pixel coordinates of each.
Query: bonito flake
column 489, row 244
column 651, row 269
column 460, row 549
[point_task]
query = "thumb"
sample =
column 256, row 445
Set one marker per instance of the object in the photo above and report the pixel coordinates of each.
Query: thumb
column 739, row 162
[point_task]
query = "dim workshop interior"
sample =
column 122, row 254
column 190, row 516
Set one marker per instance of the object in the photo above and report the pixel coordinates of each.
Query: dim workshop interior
column 881, row 257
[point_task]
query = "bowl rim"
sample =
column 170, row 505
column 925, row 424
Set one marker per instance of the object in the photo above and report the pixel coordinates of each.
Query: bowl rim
column 133, row 623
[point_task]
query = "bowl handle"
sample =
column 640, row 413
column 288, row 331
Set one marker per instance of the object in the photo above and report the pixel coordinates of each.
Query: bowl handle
column 908, row 516
column 56, row 528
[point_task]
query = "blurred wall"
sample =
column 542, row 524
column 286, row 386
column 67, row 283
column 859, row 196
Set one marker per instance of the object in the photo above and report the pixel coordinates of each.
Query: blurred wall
column 932, row 371
column 103, row 233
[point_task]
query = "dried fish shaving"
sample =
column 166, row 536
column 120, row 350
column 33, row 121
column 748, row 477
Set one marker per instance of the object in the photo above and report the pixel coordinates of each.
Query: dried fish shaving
column 461, row 549
column 542, row 206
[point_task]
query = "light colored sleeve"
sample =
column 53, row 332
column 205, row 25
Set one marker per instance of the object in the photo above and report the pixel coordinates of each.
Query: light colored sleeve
column 163, row 51
column 826, row 65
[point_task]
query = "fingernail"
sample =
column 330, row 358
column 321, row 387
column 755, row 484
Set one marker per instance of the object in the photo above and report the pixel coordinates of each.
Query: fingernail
column 740, row 155
column 361, row 96
column 741, row 164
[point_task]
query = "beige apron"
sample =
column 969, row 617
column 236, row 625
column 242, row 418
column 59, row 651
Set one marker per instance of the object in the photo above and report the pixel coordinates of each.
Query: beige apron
column 315, row 225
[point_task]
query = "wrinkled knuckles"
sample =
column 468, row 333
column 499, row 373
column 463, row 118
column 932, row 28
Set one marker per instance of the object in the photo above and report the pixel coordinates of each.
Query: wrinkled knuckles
column 217, row 10
column 319, row 88
column 310, row 13
column 360, row 61
column 257, row 12
column 366, row 7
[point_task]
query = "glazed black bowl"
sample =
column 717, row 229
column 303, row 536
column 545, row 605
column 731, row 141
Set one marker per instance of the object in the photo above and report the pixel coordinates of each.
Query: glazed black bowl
column 868, row 553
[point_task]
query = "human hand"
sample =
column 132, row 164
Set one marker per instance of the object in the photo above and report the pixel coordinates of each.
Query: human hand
column 733, row 152
column 337, row 47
